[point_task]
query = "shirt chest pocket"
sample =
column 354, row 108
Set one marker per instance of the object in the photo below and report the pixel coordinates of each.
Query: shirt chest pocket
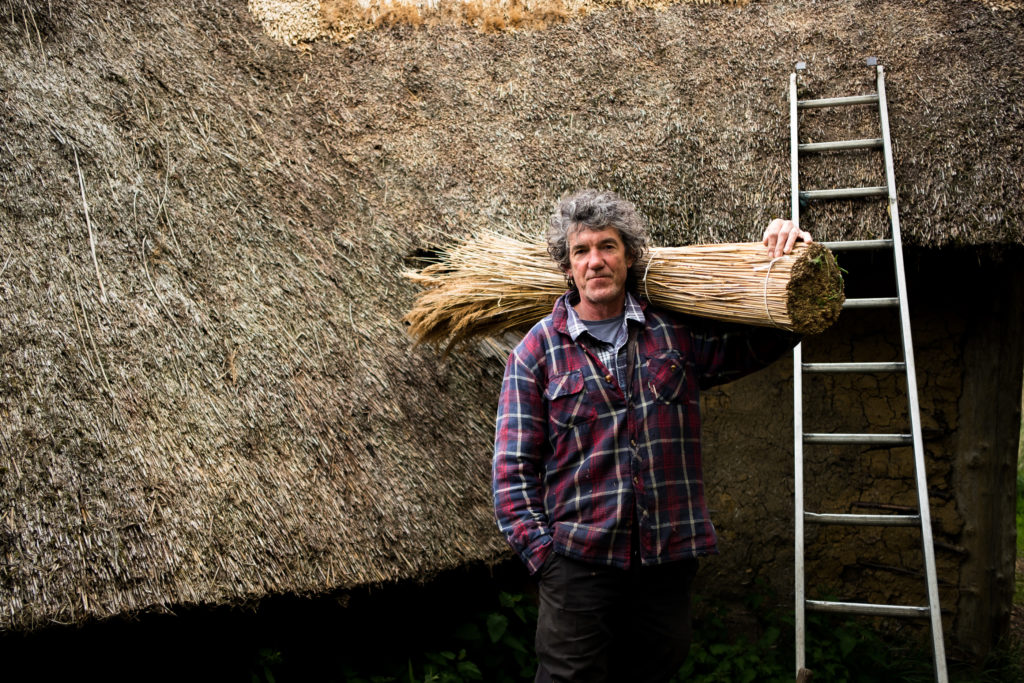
column 665, row 378
column 568, row 403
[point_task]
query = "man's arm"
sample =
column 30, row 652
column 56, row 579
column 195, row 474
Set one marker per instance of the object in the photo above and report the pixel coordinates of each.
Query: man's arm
column 727, row 352
column 520, row 449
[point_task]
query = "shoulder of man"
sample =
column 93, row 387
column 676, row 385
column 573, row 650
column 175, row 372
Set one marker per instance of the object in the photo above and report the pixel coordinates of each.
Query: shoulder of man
column 694, row 323
column 656, row 316
column 710, row 328
column 545, row 338
column 532, row 347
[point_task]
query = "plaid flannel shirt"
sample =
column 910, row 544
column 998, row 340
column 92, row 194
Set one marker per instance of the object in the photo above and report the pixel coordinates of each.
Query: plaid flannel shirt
column 575, row 458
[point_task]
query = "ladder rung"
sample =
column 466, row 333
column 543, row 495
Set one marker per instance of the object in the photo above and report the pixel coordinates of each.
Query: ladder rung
column 854, row 367
column 886, row 302
column 837, row 101
column 867, row 439
column 845, row 193
column 863, row 520
column 856, row 245
column 868, row 608
column 841, row 145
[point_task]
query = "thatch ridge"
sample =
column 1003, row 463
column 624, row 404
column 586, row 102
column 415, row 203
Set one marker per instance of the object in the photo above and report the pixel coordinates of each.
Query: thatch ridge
column 238, row 411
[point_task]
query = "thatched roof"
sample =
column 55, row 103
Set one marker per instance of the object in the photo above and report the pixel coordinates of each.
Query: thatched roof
column 206, row 394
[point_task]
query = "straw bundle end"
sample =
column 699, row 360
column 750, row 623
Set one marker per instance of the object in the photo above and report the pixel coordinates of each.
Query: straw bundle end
column 815, row 291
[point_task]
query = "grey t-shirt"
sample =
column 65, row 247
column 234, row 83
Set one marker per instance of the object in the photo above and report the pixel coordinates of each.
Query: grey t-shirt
column 605, row 330
column 611, row 332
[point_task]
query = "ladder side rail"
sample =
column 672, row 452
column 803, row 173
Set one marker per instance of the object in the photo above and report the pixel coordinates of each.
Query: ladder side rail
column 798, row 419
column 924, row 508
column 800, row 589
column 794, row 153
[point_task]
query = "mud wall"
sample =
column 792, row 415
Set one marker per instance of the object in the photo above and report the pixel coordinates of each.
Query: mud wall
column 966, row 313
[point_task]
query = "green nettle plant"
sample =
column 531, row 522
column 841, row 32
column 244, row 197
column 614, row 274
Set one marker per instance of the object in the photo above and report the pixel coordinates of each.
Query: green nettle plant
column 501, row 643
column 494, row 645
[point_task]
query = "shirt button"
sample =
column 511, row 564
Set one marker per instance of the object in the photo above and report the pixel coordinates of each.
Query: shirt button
column 608, row 378
column 636, row 480
column 632, row 442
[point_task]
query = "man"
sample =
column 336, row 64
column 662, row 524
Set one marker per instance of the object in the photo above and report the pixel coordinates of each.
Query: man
column 597, row 467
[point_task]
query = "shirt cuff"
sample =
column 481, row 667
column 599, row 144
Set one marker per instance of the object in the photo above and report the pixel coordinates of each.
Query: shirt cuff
column 535, row 555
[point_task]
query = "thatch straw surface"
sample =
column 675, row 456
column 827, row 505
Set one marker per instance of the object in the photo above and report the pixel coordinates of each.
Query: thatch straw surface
column 492, row 284
column 206, row 393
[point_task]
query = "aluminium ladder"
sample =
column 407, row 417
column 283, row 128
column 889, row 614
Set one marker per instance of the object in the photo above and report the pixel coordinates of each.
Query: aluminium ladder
column 922, row 519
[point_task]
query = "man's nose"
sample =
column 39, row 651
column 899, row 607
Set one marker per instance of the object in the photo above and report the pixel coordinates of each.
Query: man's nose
column 594, row 261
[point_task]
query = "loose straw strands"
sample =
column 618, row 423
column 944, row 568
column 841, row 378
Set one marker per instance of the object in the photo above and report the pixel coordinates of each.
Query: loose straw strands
column 495, row 283
column 485, row 286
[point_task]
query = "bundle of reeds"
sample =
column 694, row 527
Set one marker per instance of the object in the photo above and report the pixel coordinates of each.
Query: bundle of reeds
column 494, row 283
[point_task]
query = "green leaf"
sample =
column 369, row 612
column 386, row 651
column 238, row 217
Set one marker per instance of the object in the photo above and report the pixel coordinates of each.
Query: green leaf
column 469, row 632
column 470, row 671
column 497, row 624
column 847, row 642
column 514, row 643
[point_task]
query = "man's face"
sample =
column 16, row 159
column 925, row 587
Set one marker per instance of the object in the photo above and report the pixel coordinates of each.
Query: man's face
column 599, row 265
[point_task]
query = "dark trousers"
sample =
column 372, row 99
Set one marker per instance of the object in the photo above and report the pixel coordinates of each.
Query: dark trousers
column 612, row 625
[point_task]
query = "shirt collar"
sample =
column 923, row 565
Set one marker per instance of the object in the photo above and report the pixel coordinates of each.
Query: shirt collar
column 575, row 327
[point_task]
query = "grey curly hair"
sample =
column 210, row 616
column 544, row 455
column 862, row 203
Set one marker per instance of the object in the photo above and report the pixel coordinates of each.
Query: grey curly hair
column 596, row 210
